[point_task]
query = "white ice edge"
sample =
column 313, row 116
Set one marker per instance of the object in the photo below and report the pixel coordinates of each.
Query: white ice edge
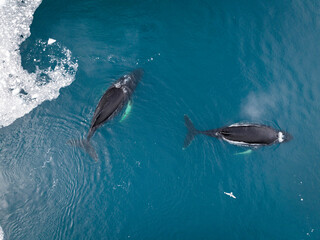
column 15, row 20
column 1, row 233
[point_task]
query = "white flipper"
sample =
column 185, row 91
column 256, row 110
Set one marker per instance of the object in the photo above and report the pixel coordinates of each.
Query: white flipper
column 244, row 153
column 127, row 111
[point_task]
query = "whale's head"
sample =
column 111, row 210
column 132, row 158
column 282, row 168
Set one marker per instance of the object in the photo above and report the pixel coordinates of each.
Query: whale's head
column 131, row 80
column 284, row 137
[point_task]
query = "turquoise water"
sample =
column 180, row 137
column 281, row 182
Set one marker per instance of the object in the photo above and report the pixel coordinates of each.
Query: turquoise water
column 220, row 62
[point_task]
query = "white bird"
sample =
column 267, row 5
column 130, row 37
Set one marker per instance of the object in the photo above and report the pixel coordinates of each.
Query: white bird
column 229, row 194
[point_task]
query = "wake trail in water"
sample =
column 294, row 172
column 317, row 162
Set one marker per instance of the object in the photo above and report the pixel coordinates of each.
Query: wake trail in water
column 20, row 90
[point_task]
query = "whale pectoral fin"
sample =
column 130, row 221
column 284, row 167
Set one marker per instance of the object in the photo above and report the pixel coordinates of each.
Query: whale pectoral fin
column 244, row 153
column 127, row 111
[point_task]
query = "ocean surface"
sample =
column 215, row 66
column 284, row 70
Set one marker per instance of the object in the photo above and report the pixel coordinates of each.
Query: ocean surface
column 219, row 62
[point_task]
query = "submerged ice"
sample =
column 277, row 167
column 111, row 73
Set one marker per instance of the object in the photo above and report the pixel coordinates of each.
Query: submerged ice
column 54, row 68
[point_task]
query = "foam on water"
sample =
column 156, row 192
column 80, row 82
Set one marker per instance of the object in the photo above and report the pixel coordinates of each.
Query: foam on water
column 1, row 234
column 20, row 90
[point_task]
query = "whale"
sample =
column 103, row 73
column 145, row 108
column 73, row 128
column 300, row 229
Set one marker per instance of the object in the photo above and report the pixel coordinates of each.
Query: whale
column 241, row 134
column 115, row 98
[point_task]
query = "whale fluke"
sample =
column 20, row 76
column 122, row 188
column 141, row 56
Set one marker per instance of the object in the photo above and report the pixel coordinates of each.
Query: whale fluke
column 86, row 145
column 192, row 131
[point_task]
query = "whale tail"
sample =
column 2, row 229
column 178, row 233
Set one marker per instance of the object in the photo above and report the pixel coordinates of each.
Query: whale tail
column 86, row 145
column 192, row 131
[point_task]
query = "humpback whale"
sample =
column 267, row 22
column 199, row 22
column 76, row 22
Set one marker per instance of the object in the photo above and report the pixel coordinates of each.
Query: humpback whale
column 240, row 134
column 110, row 105
column 114, row 99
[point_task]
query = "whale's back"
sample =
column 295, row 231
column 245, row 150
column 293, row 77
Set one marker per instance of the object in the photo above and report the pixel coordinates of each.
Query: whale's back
column 109, row 105
column 250, row 134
